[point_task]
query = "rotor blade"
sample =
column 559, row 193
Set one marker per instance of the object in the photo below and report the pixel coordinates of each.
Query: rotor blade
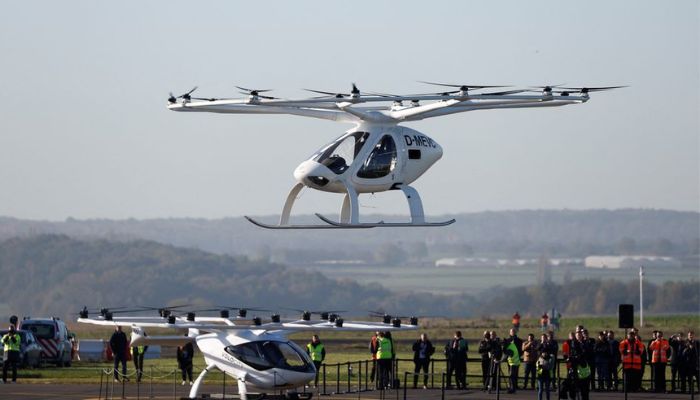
column 593, row 89
column 186, row 95
column 165, row 307
column 559, row 85
column 387, row 95
column 328, row 93
column 504, row 92
column 253, row 90
column 463, row 85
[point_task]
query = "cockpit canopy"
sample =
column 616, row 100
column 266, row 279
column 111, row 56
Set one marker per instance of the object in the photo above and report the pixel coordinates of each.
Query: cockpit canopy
column 339, row 155
column 267, row 354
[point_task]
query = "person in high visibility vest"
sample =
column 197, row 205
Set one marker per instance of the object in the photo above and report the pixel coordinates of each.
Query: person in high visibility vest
column 137, row 353
column 516, row 321
column 11, row 345
column 385, row 354
column 511, row 350
column 660, row 352
column 631, row 350
column 317, row 352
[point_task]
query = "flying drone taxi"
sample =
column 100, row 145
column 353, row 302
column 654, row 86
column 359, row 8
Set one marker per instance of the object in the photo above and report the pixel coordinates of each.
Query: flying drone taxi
column 377, row 154
column 258, row 355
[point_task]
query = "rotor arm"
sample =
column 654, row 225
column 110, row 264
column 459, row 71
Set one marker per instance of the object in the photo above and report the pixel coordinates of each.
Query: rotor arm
column 227, row 107
column 364, row 115
column 406, row 114
column 472, row 106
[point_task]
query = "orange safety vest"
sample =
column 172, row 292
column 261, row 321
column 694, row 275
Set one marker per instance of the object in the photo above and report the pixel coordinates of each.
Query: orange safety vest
column 631, row 355
column 516, row 319
column 659, row 351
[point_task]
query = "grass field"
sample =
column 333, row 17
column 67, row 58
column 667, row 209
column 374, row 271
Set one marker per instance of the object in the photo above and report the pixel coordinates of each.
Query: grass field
column 475, row 280
column 342, row 347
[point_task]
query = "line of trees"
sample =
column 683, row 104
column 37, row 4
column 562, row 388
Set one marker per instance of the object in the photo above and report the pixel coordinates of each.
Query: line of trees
column 58, row 275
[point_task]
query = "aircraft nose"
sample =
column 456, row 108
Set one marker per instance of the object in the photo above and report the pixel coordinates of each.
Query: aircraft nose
column 311, row 173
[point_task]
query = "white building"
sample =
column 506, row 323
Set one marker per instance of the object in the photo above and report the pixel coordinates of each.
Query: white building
column 617, row 262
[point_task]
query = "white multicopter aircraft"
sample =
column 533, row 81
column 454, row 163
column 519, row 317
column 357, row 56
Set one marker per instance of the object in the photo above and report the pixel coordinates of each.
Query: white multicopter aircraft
column 258, row 355
column 377, row 154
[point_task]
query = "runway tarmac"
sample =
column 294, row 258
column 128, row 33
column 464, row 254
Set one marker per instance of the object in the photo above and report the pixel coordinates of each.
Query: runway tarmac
column 169, row 391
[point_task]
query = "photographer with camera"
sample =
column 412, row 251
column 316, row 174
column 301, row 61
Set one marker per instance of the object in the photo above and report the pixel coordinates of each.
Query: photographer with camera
column 689, row 362
column 485, row 353
column 496, row 356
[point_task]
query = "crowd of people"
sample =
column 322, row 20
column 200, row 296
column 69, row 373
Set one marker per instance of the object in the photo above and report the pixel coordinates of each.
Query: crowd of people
column 120, row 348
column 592, row 363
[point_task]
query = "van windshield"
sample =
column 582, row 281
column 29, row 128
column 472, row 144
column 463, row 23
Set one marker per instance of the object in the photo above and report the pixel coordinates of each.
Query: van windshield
column 41, row 331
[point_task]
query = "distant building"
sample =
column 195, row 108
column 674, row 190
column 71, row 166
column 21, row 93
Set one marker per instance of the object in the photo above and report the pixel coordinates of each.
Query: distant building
column 502, row 262
column 618, row 262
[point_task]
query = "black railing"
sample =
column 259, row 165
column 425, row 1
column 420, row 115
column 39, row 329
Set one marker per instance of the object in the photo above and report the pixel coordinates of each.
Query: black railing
column 345, row 378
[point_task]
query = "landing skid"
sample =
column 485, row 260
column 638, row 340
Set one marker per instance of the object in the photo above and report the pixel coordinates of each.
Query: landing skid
column 350, row 215
column 343, row 225
column 382, row 224
column 310, row 226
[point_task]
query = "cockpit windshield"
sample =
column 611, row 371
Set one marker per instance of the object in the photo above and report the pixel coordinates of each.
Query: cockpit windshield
column 264, row 355
column 340, row 154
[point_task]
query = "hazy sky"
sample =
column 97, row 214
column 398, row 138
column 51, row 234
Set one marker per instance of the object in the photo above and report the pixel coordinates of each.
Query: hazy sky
column 85, row 132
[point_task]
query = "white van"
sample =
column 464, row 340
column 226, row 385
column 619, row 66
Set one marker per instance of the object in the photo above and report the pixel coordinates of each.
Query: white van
column 52, row 335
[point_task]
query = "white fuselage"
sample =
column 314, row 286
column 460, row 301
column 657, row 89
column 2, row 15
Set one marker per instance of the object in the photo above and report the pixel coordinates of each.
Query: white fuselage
column 263, row 360
column 370, row 158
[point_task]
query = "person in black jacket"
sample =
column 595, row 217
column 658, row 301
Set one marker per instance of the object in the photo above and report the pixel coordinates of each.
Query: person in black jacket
column 689, row 362
column 484, row 352
column 602, row 361
column 589, row 355
column 615, row 359
column 422, row 351
column 456, row 351
column 185, row 354
column 676, row 343
column 496, row 356
column 119, row 346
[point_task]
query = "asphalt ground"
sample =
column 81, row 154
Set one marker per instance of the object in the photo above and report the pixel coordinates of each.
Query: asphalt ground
column 176, row 391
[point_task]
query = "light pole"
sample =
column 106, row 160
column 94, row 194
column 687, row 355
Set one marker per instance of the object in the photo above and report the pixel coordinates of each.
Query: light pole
column 641, row 296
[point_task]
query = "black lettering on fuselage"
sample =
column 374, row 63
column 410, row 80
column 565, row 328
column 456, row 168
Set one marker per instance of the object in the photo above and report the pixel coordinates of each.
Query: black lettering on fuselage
column 419, row 141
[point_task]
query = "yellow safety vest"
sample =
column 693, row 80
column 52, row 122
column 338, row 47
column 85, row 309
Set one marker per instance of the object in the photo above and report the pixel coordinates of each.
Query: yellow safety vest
column 513, row 360
column 9, row 345
column 316, row 352
column 383, row 349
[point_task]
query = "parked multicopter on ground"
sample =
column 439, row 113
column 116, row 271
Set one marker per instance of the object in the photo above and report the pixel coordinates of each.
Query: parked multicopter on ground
column 376, row 155
column 258, row 355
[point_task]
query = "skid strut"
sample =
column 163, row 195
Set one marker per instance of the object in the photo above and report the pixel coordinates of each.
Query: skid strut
column 350, row 213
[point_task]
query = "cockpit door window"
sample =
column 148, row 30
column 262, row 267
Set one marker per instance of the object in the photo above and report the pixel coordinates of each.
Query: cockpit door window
column 340, row 154
column 381, row 161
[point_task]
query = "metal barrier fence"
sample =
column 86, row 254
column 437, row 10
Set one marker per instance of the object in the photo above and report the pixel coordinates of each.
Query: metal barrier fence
column 340, row 378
